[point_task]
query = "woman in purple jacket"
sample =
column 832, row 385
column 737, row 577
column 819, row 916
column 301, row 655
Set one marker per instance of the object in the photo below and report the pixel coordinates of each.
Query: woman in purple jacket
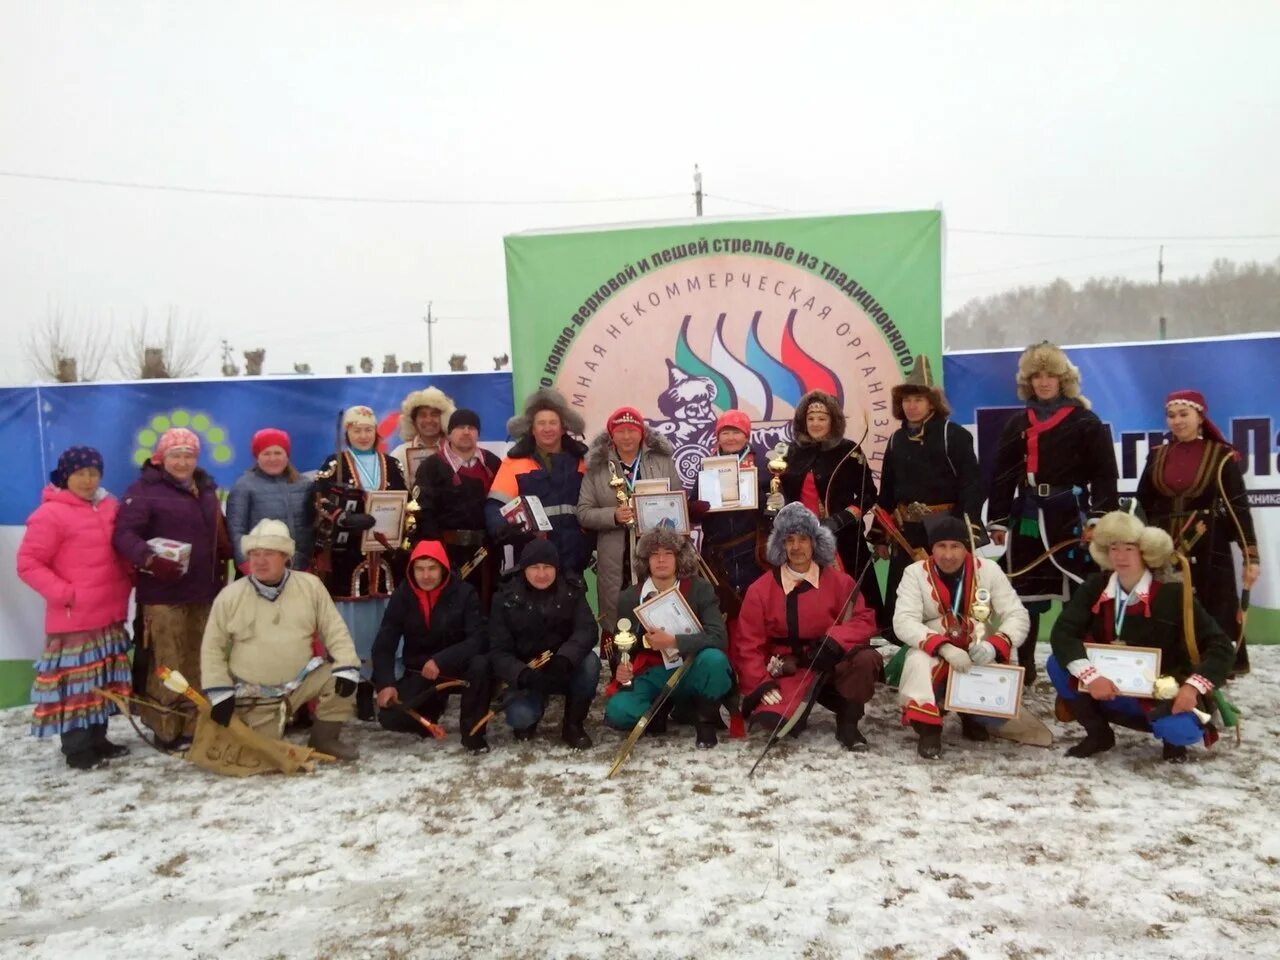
column 172, row 500
column 66, row 557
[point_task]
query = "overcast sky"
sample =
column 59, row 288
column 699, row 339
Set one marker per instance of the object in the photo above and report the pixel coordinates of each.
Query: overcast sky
column 1129, row 120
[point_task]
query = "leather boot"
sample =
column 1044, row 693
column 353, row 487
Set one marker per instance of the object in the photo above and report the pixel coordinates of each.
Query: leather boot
column 365, row 700
column 930, row 744
column 326, row 738
column 707, row 714
column 1098, row 735
column 573, row 731
column 847, row 732
column 104, row 747
column 1174, row 754
column 971, row 729
column 658, row 722
column 525, row 733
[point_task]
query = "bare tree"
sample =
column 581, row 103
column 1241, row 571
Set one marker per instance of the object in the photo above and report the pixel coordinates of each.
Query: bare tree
column 411, row 366
column 350, row 369
column 64, row 351
column 253, row 360
column 366, row 365
column 177, row 351
column 500, row 362
column 306, row 368
column 389, row 364
column 458, row 362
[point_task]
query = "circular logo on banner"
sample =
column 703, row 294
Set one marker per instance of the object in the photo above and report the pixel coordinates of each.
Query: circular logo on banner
column 212, row 436
column 688, row 341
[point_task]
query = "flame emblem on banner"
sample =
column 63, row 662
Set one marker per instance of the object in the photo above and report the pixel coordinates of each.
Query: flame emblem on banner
column 757, row 382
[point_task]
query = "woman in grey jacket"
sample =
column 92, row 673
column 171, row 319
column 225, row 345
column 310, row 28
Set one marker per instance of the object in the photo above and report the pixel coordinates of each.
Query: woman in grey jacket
column 272, row 490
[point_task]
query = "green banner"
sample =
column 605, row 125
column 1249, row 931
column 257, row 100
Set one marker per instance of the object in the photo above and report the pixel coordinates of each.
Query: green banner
column 686, row 321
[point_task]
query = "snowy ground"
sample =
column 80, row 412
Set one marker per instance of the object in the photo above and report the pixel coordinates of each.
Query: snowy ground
column 997, row 850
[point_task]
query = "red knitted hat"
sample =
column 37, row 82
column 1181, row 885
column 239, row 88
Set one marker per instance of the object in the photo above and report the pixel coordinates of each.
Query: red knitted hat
column 625, row 417
column 734, row 420
column 268, row 437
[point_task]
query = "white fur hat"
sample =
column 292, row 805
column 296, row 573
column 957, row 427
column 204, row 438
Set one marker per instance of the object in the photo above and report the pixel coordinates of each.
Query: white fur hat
column 1121, row 527
column 269, row 535
column 431, row 397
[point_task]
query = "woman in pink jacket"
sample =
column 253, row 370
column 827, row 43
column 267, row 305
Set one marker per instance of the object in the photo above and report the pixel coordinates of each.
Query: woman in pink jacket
column 66, row 557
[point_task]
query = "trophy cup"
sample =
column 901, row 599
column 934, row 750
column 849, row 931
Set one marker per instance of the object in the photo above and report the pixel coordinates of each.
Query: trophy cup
column 980, row 609
column 624, row 640
column 411, row 518
column 619, row 491
column 777, row 467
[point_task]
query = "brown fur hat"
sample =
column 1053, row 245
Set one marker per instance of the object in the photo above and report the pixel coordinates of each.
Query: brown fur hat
column 1051, row 359
column 546, row 398
column 677, row 543
column 1121, row 527
column 798, row 429
column 427, row 397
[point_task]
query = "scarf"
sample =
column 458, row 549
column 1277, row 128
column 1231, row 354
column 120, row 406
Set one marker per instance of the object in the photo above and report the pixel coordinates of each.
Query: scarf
column 267, row 591
column 368, row 468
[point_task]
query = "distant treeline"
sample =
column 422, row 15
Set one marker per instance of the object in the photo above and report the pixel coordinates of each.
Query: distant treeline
column 1231, row 298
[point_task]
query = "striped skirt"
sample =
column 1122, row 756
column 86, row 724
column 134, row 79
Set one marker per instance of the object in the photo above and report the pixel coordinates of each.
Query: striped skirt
column 72, row 666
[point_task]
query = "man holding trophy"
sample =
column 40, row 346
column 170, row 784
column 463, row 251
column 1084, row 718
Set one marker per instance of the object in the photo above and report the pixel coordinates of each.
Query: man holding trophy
column 944, row 613
column 686, row 633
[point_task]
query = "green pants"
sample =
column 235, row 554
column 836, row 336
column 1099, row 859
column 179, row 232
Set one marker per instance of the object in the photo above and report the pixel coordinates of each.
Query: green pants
column 708, row 676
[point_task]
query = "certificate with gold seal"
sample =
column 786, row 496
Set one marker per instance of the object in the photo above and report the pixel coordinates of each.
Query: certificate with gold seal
column 988, row 690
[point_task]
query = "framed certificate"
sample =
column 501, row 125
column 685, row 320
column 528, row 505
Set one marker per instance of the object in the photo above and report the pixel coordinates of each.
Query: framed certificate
column 748, row 493
column 669, row 611
column 387, row 509
column 993, row 690
column 1132, row 669
column 656, row 510
column 413, row 459
column 722, row 472
column 655, row 485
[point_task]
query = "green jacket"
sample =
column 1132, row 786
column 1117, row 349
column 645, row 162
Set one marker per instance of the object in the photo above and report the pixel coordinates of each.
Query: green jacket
column 1078, row 624
column 701, row 597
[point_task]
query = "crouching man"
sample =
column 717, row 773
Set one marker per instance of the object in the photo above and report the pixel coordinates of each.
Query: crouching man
column 256, row 657
column 805, row 613
column 953, row 610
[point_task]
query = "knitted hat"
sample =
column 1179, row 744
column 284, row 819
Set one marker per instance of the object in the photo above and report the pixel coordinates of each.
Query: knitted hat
column 1196, row 401
column 464, row 418
column 268, row 535
column 943, row 526
column 73, row 459
column 358, row 416
column 539, row 551
column 624, row 417
column 734, row 420
column 175, row 438
column 268, row 437
column 796, row 518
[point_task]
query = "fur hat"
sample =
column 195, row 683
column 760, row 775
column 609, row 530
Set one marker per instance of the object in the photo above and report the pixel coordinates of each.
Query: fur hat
column 1044, row 356
column 920, row 381
column 269, row 535
column 797, row 518
column 1121, row 527
column 427, row 397
column 822, row 398
column 677, row 543
column 359, row 414
column 546, row 398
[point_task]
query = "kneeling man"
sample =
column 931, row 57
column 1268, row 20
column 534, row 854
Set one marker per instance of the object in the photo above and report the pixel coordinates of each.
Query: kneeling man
column 257, row 659
column 934, row 617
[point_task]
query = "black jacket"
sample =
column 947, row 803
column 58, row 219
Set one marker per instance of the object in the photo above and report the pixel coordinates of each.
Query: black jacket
column 456, row 633
column 449, row 501
column 524, row 622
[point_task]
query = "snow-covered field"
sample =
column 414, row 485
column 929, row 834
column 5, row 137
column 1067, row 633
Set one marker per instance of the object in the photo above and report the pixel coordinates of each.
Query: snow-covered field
column 418, row 850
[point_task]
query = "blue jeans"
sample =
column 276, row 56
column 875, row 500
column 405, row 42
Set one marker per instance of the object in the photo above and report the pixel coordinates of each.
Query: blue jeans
column 1178, row 729
column 524, row 708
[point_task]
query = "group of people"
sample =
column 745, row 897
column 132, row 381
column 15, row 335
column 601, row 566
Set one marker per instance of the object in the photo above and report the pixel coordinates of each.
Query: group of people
column 326, row 619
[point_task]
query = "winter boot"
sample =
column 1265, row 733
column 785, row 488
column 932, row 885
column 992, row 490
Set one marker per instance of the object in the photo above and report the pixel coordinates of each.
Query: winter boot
column 573, row 730
column 525, row 733
column 1098, row 735
column 325, row 736
column 930, row 745
column 707, row 714
column 971, row 729
column 364, row 701
column 1174, row 754
column 475, row 744
column 104, row 747
column 658, row 722
column 85, row 760
column 847, row 717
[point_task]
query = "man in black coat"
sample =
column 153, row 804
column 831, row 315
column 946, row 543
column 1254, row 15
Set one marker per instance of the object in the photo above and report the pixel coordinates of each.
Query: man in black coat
column 544, row 609
column 438, row 618
column 929, row 469
column 451, row 489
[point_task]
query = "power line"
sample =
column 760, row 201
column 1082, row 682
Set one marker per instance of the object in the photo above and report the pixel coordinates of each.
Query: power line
column 329, row 198
column 1112, row 236
column 745, row 203
column 1046, row 263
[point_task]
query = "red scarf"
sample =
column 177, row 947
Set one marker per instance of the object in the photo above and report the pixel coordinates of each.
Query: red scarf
column 1038, row 427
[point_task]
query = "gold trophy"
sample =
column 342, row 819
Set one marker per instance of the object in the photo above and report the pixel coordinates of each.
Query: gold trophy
column 777, row 467
column 410, row 518
column 619, row 490
column 624, row 640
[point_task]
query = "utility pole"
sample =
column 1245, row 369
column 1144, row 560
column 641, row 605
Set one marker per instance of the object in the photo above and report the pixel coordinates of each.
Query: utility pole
column 431, row 362
column 1160, row 292
column 697, row 189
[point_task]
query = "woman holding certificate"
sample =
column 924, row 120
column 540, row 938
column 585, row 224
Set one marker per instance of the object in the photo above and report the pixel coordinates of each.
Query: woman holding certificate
column 675, row 618
column 627, row 451
column 353, row 557
column 1193, row 489
column 729, row 535
column 828, row 473
column 1135, row 647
